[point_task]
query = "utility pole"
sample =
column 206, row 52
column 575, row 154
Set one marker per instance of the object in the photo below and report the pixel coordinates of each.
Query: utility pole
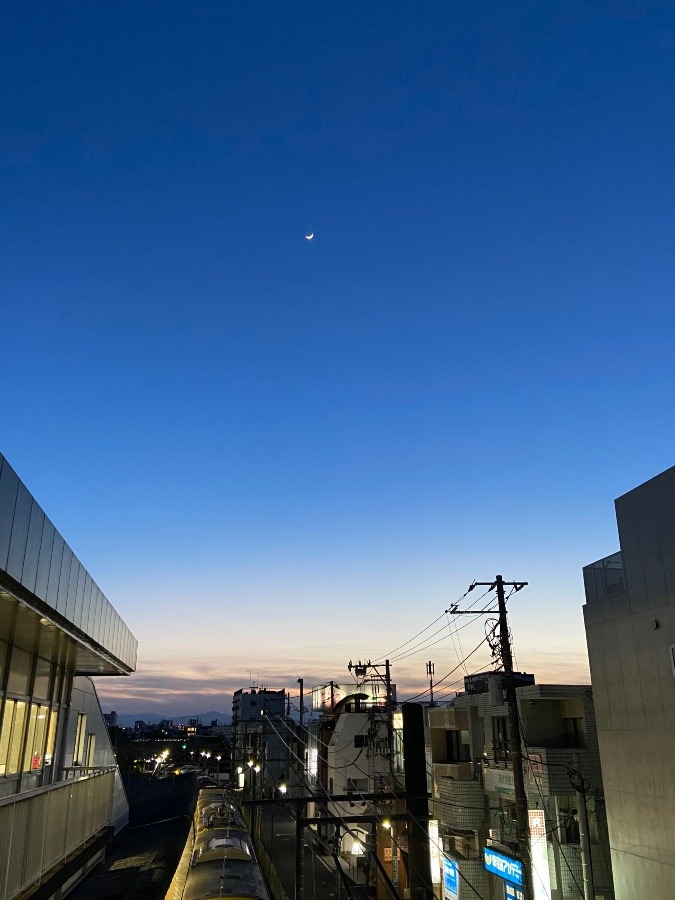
column 579, row 784
column 430, row 673
column 515, row 751
column 419, row 873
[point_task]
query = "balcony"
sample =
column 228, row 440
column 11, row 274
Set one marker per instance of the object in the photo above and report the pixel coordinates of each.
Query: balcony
column 604, row 578
column 460, row 770
column 41, row 828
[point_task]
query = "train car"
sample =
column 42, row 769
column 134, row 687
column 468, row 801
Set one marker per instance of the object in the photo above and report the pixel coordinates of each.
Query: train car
column 224, row 863
column 216, row 810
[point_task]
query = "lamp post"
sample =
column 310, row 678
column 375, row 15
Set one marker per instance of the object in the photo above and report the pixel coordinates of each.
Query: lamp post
column 218, row 758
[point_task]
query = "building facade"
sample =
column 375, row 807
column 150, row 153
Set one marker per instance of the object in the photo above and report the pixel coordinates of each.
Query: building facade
column 630, row 630
column 61, row 797
column 260, row 757
column 473, row 789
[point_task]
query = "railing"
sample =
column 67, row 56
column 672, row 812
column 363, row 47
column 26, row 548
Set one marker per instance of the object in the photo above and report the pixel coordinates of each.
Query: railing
column 41, row 828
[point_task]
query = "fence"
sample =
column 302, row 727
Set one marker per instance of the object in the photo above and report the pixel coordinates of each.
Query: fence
column 268, row 870
column 40, row 829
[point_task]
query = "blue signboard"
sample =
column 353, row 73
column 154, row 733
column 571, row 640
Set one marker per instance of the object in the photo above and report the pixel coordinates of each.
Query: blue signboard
column 511, row 892
column 450, row 879
column 506, row 867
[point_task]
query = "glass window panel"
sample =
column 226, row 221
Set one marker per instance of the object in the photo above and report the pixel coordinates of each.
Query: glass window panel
column 91, row 749
column 35, row 741
column 5, row 733
column 45, row 560
column 32, row 722
column 9, row 485
column 55, row 570
column 51, row 737
column 43, row 671
column 17, row 543
column 78, row 757
column 30, row 561
column 16, row 739
column 19, row 672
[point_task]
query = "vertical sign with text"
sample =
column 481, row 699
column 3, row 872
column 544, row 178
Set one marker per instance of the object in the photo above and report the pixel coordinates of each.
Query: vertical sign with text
column 450, row 879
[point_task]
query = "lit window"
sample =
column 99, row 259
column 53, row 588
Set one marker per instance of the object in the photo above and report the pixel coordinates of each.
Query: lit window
column 78, row 757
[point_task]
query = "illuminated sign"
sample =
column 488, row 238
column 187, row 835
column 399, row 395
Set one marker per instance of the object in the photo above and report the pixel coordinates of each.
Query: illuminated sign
column 450, row 879
column 505, row 866
column 539, row 854
column 511, row 892
column 434, row 852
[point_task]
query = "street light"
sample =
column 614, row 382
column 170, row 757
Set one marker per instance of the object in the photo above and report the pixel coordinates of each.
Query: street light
column 218, row 758
column 281, row 788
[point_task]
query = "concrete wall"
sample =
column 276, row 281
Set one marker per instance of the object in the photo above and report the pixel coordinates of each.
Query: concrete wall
column 629, row 637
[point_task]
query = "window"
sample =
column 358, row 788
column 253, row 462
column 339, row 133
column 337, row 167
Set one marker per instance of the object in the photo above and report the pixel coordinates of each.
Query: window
column 19, row 672
column 51, row 737
column 91, row 747
column 43, row 671
column 34, row 755
column 457, row 746
column 11, row 736
column 78, row 755
column 672, row 658
column 357, row 784
column 573, row 731
column 500, row 742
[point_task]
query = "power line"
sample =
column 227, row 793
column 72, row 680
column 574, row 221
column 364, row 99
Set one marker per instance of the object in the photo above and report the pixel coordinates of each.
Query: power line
column 391, row 653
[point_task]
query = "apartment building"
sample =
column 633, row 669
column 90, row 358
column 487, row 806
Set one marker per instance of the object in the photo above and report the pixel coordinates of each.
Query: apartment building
column 473, row 789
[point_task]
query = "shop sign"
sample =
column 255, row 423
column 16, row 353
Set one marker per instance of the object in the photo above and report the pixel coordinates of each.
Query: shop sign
column 450, row 879
column 498, row 780
column 506, row 867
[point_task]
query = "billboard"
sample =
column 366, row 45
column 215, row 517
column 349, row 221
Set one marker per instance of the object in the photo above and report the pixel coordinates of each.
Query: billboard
column 450, row 879
column 506, row 867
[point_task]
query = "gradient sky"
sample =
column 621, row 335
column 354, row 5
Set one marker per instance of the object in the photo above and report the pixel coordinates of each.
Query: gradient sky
column 276, row 455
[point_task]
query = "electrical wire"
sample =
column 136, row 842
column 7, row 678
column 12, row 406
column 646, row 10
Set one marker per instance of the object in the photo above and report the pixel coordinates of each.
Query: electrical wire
column 451, row 672
column 394, row 796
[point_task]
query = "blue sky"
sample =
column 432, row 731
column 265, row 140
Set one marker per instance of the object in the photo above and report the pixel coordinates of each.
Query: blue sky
column 273, row 454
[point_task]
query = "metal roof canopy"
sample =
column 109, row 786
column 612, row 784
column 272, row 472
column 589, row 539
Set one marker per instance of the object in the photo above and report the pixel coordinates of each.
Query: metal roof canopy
column 50, row 636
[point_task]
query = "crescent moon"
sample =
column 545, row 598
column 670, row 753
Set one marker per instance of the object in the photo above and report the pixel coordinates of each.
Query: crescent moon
column 308, row 237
